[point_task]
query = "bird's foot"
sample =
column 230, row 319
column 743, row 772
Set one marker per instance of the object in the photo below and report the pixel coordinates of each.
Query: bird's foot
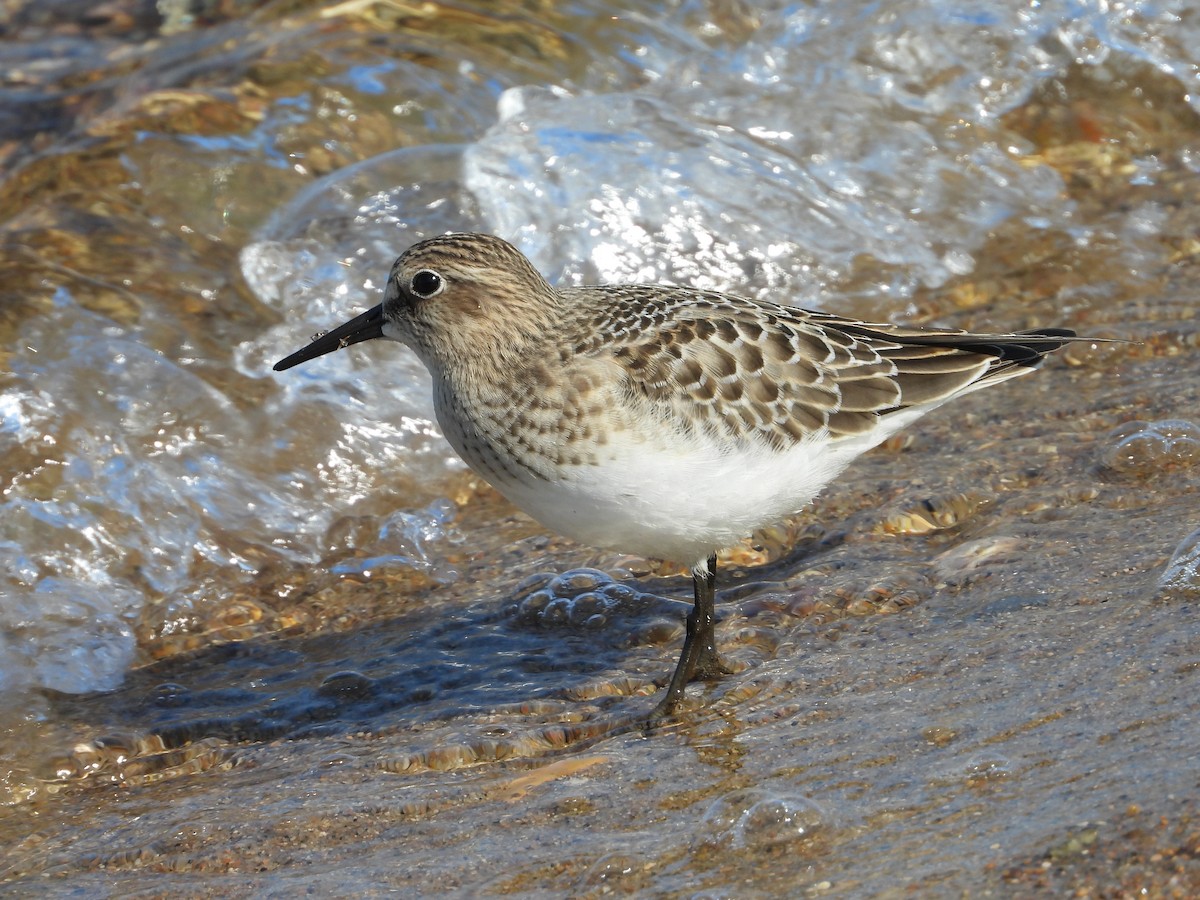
column 710, row 666
column 661, row 713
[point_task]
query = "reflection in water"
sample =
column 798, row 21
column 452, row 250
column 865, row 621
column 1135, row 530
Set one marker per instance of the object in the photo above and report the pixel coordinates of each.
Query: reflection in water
column 357, row 646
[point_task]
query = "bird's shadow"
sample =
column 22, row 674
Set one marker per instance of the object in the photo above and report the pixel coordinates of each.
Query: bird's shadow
column 411, row 671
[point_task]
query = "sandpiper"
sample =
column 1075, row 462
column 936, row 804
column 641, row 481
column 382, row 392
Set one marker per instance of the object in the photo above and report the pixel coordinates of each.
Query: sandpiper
column 658, row 420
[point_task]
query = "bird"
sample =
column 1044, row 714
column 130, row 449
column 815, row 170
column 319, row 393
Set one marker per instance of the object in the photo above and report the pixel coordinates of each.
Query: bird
column 664, row 421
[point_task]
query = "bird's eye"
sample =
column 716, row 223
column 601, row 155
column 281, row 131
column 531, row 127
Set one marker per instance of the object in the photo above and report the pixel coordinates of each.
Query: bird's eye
column 426, row 284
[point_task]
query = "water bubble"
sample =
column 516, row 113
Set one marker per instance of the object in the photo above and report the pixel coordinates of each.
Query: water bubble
column 346, row 686
column 577, row 580
column 557, row 611
column 1181, row 576
column 588, row 605
column 1144, row 449
column 169, row 694
column 622, row 593
column 529, row 610
column 757, row 819
column 987, row 769
column 616, row 873
column 580, row 598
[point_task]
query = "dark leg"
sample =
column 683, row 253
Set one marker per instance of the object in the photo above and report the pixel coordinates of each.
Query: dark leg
column 708, row 665
column 699, row 658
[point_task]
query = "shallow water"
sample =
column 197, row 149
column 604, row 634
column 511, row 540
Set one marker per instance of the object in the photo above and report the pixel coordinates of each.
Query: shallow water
column 262, row 633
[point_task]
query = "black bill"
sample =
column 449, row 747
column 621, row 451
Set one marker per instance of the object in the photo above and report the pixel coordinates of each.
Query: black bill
column 366, row 327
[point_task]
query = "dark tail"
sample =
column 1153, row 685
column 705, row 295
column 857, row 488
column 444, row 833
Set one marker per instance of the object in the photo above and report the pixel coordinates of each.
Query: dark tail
column 1022, row 348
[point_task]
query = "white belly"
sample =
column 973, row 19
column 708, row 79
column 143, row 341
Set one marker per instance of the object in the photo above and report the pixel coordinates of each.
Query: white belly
column 681, row 501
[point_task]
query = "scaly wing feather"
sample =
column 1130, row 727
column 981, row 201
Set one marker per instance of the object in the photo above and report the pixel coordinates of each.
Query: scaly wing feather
column 760, row 373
